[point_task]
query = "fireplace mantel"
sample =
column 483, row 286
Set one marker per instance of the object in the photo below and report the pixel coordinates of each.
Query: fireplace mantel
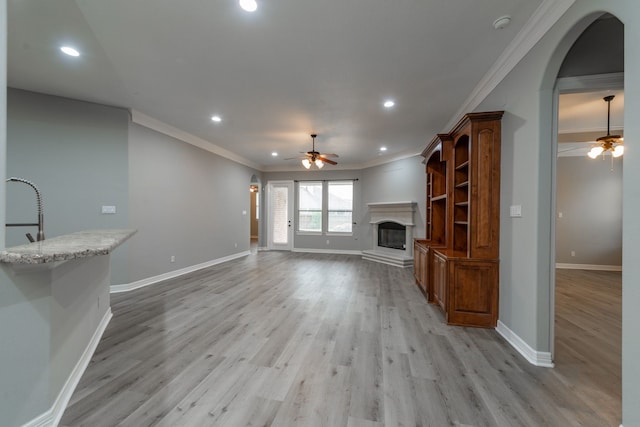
column 401, row 213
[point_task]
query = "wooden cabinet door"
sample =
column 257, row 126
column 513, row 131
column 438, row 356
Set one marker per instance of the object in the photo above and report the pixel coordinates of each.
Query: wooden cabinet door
column 473, row 293
column 417, row 262
column 440, row 280
column 421, row 266
column 484, row 216
column 425, row 270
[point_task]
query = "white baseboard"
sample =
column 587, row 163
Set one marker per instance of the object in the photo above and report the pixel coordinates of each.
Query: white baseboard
column 52, row 417
column 588, row 267
column 173, row 274
column 537, row 358
column 262, row 248
column 327, row 251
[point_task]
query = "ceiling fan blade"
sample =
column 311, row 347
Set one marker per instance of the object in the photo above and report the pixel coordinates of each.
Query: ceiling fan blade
column 329, row 155
column 295, row 158
column 331, row 162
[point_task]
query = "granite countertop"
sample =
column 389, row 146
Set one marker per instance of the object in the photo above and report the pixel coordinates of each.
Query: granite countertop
column 82, row 244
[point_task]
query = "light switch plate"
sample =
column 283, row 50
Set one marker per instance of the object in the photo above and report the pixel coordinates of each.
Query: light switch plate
column 108, row 209
column 515, row 211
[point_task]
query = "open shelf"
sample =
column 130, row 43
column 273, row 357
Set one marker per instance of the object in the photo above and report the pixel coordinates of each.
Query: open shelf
column 462, row 165
column 461, row 194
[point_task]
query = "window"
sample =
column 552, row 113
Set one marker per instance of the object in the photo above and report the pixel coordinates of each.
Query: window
column 340, row 206
column 325, row 207
column 310, row 207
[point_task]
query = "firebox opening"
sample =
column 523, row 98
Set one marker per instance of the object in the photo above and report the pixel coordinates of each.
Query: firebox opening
column 392, row 235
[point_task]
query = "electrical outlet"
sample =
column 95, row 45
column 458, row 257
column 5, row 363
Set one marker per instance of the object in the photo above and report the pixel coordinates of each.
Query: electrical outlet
column 108, row 210
column 173, row 258
column 573, row 253
column 327, row 241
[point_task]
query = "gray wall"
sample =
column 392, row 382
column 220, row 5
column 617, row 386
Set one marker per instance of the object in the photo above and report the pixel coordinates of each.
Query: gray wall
column 527, row 179
column 400, row 181
column 76, row 153
column 589, row 196
column 185, row 202
column 3, row 112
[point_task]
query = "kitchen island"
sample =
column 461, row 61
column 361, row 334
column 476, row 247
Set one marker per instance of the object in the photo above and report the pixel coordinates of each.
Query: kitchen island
column 55, row 295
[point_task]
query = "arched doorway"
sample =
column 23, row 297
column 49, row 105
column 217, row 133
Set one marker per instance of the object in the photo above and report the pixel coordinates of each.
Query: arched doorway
column 592, row 66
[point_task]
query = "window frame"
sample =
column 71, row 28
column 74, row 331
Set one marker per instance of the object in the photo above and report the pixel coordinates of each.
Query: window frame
column 339, row 233
column 324, row 227
column 299, row 210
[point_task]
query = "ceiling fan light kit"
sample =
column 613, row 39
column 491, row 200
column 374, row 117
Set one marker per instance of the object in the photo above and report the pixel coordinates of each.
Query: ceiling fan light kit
column 613, row 143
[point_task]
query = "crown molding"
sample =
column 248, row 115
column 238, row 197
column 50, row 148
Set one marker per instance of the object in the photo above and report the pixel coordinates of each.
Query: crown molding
column 388, row 159
column 547, row 14
column 155, row 124
column 592, row 83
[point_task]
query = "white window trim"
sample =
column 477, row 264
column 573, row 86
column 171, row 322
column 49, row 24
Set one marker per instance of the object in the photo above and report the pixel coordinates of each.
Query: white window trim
column 325, row 211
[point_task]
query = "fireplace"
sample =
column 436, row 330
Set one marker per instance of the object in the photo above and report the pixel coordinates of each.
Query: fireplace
column 392, row 233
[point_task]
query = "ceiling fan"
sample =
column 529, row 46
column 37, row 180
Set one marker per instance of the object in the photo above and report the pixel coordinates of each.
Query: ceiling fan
column 313, row 157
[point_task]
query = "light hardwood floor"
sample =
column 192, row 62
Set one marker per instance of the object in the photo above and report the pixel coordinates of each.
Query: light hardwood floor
column 588, row 345
column 291, row 339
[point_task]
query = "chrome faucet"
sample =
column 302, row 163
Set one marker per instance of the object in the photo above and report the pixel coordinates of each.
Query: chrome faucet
column 40, row 223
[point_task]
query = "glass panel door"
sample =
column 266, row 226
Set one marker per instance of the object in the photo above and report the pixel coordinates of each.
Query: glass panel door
column 281, row 215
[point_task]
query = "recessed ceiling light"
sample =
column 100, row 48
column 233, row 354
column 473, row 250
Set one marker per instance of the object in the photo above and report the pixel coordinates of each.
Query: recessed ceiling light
column 389, row 103
column 383, row 148
column 69, row 51
column 249, row 5
column 216, row 119
column 274, row 154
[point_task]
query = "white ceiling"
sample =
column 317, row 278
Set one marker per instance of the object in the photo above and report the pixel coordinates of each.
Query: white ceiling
column 292, row 68
column 587, row 112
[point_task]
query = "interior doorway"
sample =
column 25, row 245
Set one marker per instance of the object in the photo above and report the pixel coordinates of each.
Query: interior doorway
column 586, row 279
column 254, row 214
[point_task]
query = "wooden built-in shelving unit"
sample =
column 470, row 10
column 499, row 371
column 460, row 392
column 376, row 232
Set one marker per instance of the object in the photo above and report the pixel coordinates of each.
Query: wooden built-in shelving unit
column 456, row 264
